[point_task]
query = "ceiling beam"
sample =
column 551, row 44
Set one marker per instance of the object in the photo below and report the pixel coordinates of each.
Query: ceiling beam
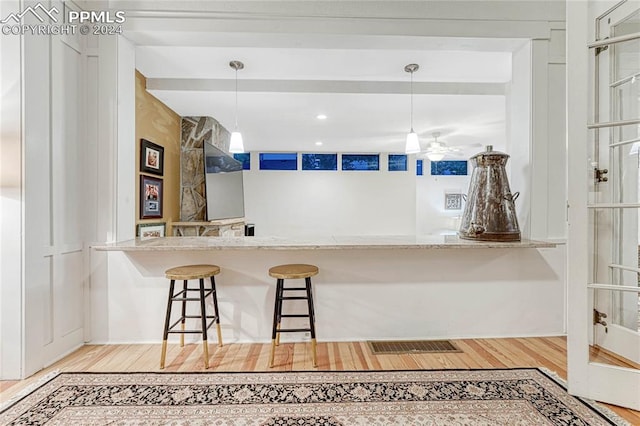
column 325, row 86
column 524, row 10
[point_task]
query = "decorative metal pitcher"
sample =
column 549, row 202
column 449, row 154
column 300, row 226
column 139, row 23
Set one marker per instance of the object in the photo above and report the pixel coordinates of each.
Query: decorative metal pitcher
column 490, row 213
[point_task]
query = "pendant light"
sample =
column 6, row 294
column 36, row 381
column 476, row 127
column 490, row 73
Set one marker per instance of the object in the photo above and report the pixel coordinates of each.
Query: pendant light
column 236, row 145
column 413, row 144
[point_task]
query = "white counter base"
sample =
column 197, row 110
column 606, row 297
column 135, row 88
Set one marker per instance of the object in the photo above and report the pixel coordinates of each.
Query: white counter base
column 360, row 293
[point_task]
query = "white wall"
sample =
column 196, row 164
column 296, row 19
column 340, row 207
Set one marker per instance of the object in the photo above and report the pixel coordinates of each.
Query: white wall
column 126, row 139
column 351, row 202
column 112, row 102
column 431, row 216
column 553, row 144
column 518, row 136
column 535, row 114
column 290, row 203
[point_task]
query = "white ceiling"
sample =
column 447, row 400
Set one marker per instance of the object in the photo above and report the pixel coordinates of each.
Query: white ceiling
column 324, row 64
column 359, row 82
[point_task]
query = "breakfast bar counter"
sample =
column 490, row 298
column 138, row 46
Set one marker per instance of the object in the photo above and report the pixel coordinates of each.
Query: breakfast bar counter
column 368, row 287
column 396, row 242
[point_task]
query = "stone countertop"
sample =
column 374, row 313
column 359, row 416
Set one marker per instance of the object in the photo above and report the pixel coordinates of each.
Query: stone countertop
column 313, row 243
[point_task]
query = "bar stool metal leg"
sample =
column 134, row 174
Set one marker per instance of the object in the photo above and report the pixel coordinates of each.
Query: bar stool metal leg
column 203, row 311
column 184, row 311
column 214, row 293
column 312, row 320
column 279, row 297
column 276, row 316
column 166, row 325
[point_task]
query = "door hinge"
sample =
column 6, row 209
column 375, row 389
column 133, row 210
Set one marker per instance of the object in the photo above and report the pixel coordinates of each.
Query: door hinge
column 599, row 50
column 598, row 318
column 599, row 175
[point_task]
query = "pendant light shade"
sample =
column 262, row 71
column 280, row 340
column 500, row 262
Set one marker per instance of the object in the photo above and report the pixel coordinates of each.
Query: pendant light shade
column 236, row 145
column 412, row 145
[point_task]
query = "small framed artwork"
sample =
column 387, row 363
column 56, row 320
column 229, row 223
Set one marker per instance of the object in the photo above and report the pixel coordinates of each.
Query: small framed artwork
column 151, row 158
column 150, row 197
column 452, row 201
column 147, row 231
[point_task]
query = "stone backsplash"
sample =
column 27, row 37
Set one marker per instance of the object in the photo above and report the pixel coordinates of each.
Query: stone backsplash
column 196, row 131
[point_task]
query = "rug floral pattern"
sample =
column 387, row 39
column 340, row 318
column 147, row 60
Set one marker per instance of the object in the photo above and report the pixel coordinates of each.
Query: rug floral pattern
column 460, row 397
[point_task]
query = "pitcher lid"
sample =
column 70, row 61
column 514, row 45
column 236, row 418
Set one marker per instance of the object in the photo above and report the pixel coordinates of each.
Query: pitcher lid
column 489, row 153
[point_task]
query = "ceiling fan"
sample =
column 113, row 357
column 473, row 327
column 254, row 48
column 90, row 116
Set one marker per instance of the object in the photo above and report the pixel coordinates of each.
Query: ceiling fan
column 437, row 150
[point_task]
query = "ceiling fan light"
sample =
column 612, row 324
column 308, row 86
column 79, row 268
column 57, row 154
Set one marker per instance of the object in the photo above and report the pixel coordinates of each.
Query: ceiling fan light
column 235, row 145
column 435, row 156
column 413, row 144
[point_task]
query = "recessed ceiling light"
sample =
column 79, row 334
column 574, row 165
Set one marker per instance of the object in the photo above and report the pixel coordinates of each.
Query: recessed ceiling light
column 321, row 117
column 319, row 143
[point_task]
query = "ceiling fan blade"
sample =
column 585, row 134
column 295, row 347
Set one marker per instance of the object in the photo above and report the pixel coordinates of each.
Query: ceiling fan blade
column 463, row 143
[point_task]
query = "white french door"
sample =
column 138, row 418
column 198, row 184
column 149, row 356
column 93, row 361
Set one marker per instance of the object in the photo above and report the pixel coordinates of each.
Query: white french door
column 608, row 213
column 615, row 197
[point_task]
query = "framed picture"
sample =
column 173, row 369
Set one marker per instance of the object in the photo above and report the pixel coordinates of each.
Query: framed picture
column 150, row 197
column 452, row 201
column 151, row 158
column 151, row 230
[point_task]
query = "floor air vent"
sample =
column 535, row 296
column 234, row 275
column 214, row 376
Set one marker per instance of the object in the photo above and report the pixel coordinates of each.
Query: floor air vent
column 412, row 346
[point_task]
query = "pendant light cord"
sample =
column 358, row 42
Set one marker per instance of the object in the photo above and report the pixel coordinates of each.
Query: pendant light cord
column 236, row 99
column 411, row 101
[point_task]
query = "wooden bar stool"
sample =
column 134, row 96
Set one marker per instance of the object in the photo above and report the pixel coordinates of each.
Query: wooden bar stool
column 186, row 273
column 293, row 271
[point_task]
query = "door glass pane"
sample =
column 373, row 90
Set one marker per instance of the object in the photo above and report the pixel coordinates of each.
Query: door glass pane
column 624, row 168
column 626, row 96
column 627, row 58
column 610, row 333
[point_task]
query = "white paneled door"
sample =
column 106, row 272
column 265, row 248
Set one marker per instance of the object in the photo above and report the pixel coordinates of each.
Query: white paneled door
column 57, row 197
column 69, row 196
column 604, row 216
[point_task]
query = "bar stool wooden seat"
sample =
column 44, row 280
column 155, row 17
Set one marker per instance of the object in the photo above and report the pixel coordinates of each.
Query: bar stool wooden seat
column 293, row 271
column 186, row 273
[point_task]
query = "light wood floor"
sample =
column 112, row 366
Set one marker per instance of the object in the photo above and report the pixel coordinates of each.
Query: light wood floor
column 548, row 352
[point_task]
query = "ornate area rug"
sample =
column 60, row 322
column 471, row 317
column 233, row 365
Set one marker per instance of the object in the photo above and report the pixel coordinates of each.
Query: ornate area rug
column 443, row 397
